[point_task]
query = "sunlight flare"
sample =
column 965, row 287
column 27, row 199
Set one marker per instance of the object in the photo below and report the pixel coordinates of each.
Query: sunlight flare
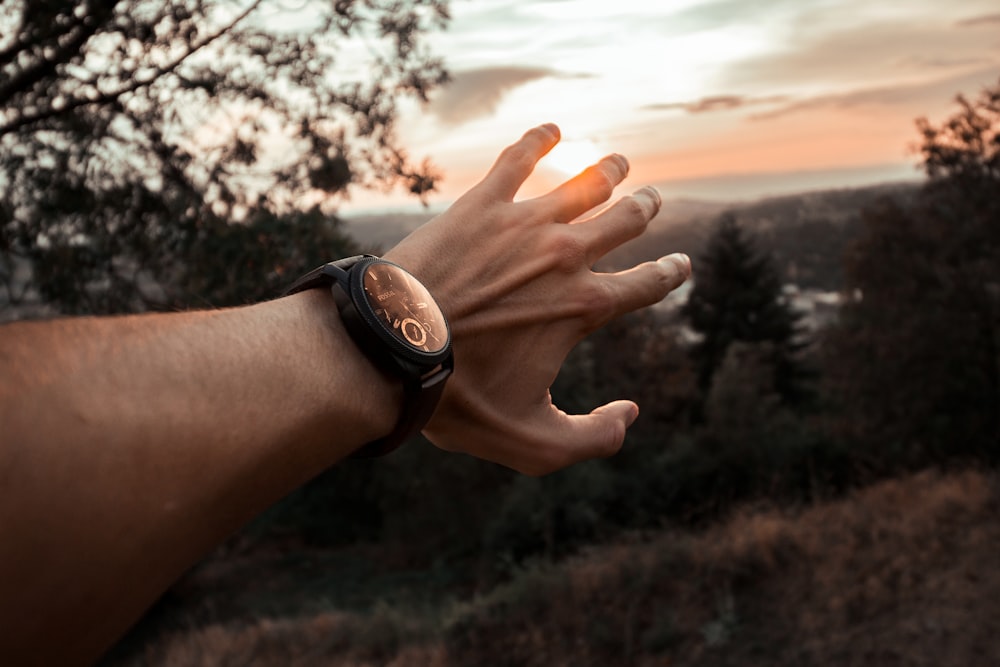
column 571, row 156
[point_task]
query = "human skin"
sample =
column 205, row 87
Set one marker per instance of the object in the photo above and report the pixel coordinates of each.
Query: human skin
column 130, row 446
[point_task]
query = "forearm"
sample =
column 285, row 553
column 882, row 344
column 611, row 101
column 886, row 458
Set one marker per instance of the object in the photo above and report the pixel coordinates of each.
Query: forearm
column 132, row 445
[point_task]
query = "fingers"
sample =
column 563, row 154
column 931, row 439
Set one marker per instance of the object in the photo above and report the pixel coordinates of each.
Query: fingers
column 647, row 283
column 592, row 187
column 580, row 194
column 624, row 221
column 518, row 160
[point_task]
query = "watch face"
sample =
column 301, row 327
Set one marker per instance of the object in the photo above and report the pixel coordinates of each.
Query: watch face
column 405, row 307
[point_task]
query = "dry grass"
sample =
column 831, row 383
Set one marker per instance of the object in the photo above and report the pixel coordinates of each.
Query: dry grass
column 328, row 639
column 902, row 573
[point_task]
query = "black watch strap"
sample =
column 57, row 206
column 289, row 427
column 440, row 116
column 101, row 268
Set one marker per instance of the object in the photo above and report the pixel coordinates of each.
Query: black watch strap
column 321, row 276
column 420, row 394
column 416, row 412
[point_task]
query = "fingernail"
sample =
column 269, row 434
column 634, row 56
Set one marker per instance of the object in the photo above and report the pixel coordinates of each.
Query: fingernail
column 552, row 129
column 651, row 192
column 622, row 162
column 679, row 260
column 632, row 415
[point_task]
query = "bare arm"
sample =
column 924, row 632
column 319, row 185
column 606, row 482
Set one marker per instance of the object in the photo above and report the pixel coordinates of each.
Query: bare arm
column 130, row 446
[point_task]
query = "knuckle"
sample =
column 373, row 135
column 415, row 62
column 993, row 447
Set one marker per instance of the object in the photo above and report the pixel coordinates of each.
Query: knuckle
column 597, row 303
column 663, row 278
column 634, row 211
column 519, row 155
column 568, row 253
column 540, row 133
column 602, row 183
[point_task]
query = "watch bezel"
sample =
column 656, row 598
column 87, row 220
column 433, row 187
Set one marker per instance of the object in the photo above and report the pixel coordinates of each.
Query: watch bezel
column 362, row 305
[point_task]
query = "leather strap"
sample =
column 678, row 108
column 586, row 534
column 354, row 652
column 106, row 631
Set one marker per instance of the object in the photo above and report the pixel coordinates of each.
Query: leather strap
column 420, row 398
column 420, row 394
column 326, row 275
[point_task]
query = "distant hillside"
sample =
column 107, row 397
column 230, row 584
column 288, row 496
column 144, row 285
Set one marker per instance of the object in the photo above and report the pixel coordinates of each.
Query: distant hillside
column 901, row 573
column 380, row 231
column 807, row 232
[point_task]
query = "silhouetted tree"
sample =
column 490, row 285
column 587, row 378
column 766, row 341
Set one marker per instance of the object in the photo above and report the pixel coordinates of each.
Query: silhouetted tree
column 737, row 297
column 916, row 359
column 138, row 138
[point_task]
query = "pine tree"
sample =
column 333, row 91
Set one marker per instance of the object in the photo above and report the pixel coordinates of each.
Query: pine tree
column 737, row 297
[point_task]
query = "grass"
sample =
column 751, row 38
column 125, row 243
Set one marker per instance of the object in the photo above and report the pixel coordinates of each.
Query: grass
column 903, row 573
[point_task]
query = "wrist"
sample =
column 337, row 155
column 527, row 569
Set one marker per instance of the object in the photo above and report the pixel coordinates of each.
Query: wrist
column 350, row 389
column 397, row 324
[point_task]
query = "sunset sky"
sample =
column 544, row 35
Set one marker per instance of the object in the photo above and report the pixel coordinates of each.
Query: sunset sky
column 718, row 99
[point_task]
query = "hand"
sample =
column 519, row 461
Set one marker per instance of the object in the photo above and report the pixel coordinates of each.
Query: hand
column 515, row 282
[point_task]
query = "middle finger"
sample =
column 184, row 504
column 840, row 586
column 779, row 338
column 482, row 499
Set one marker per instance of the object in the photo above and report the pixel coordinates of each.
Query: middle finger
column 589, row 188
column 627, row 219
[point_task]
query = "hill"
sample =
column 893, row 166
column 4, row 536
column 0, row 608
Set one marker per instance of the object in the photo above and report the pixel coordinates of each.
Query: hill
column 807, row 233
column 903, row 573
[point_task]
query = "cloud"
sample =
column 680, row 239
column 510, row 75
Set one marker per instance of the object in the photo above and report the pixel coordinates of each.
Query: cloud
column 904, row 95
column 478, row 92
column 716, row 103
column 976, row 21
column 943, row 62
column 863, row 55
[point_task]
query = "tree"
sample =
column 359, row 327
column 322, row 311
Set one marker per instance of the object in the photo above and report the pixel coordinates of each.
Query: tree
column 142, row 139
column 965, row 149
column 737, row 297
column 916, row 359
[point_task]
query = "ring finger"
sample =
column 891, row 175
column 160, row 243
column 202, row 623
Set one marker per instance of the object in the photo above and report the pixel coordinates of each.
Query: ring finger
column 627, row 219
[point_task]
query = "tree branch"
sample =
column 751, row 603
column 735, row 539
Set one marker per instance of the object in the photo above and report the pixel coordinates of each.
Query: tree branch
column 63, row 53
column 106, row 98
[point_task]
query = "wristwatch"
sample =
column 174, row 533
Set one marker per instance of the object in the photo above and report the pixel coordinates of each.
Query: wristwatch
column 396, row 322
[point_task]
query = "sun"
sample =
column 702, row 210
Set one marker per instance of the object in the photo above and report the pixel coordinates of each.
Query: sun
column 571, row 156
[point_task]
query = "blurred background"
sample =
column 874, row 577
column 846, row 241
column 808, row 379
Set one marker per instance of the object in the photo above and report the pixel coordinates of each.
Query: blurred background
column 813, row 477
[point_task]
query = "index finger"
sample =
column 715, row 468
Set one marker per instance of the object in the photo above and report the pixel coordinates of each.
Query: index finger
column 518, row 160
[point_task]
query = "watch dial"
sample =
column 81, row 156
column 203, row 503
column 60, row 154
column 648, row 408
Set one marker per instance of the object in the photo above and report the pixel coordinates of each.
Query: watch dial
column 405, row 307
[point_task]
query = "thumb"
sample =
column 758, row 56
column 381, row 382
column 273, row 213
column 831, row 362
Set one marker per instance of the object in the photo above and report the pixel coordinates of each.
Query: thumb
column 601, row 433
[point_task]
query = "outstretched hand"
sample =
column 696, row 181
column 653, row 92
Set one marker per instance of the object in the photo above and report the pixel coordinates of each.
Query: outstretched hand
column 515, row 281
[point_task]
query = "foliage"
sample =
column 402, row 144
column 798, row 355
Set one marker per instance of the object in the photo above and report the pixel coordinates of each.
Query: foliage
column 781, row 587
column 553, row 516
column 766, row 587
column 643, row 356
column 142, row 140
column 340, row 506
column 915, row 363
column 965, row 149
column 743, row 400
column 737, row 297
